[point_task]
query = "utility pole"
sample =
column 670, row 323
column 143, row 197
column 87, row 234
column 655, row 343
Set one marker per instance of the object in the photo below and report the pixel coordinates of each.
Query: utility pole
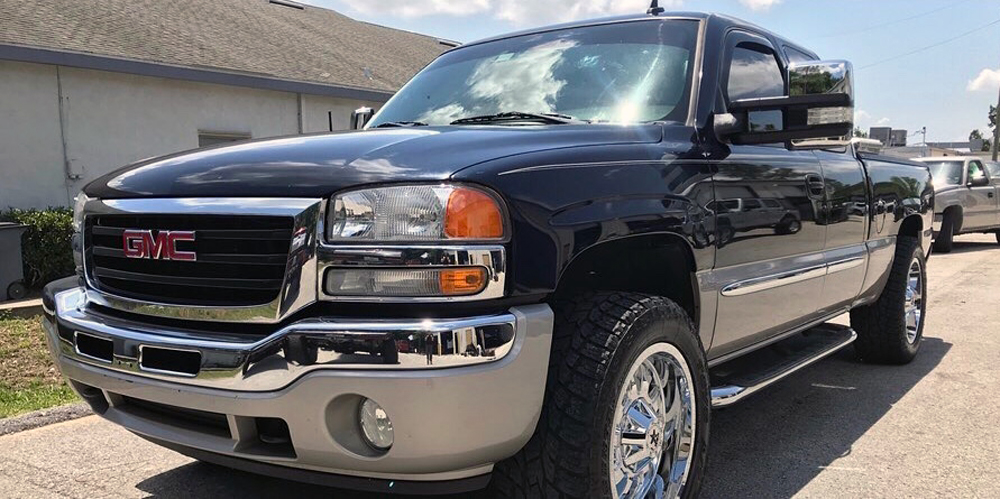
column 996, row 131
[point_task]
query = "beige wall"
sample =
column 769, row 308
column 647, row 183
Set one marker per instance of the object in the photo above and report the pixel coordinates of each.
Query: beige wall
column 113, row 119
column 31, row 158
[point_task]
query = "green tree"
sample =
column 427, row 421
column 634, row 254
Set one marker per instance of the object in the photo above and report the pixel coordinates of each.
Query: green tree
column 978, row 135
column 860, row 133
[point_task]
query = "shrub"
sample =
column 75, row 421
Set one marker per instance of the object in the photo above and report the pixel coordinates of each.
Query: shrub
column 46, row 245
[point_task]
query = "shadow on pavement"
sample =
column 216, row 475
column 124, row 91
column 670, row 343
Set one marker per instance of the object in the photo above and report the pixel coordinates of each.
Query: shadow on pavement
column 775, row 443
column 202, row 480
column 959, row 247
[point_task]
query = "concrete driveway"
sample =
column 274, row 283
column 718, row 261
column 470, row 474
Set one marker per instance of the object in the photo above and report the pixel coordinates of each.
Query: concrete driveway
column 839, row 429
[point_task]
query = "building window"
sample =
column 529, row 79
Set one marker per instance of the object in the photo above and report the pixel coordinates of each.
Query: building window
column 206, row 139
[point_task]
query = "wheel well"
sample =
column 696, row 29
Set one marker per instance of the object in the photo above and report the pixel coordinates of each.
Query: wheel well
column 661, row 265
column 912, row 226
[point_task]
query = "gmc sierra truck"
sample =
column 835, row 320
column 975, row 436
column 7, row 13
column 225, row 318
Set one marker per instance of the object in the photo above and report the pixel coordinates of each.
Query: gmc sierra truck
column 512, row 278
column 965, row 194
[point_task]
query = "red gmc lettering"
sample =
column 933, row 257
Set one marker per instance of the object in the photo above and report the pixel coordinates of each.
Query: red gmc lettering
column 162, row 246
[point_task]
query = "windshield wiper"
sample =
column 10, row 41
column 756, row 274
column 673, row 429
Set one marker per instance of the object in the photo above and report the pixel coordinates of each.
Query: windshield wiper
column 515, row 116
column 395, row 124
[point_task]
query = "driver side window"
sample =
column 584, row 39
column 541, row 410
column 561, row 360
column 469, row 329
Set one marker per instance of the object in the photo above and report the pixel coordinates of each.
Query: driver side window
column 754, row 73
column 976, row 171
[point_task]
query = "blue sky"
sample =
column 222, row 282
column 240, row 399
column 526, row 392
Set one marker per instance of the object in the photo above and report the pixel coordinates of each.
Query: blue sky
column 948, row 88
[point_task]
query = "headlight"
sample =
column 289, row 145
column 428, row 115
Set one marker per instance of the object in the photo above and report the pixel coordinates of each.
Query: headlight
column 81, row 202
column 414, row 213
column 77, row 239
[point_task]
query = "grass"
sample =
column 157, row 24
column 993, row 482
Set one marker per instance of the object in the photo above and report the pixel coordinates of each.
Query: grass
column 28, row 378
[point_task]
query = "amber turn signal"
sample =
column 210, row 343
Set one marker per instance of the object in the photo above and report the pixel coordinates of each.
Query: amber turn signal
column 466, row 281
column 473, row 214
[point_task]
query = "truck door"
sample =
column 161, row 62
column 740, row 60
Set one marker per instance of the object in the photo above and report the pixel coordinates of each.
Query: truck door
column 981, row 200
column 845, row 214
column 770, row 280
column 993, row 171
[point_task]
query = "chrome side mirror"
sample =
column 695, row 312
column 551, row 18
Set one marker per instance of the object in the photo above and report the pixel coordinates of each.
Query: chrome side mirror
column 817, row 112
column 821, row 78
column 360, row 117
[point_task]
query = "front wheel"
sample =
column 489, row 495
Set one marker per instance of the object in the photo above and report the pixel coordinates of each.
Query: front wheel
column 890, row 330
column 627, row 405
column 946, row 236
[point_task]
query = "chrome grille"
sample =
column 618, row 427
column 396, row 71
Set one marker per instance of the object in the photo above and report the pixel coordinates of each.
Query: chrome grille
column 241, row 260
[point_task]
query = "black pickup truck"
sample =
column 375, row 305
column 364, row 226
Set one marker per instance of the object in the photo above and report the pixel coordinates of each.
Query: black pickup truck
column 524, row 273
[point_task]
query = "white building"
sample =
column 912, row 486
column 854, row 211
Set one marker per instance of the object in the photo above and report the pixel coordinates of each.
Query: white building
column 87, row 86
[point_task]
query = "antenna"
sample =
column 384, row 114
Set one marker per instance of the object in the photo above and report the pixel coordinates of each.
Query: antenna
column 655, row 9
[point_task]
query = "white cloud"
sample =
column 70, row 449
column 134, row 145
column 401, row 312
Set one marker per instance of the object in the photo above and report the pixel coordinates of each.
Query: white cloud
column 863, row 119
column 760, row 5
column 518, row 12
column 988, row 79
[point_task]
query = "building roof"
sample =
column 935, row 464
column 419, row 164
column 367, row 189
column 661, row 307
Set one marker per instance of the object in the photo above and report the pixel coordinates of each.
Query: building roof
column 250, row 41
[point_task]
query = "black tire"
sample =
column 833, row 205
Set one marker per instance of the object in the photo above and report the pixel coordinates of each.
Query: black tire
column 726, row 235
column 16, row 291
column 389, row 352
column 997, row 234
column 790, row 225
column 946, row 237
column 598, row 336
column 298, row 350
column 881, row 326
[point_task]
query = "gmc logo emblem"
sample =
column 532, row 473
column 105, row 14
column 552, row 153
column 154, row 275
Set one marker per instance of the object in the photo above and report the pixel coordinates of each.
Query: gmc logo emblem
column 162, row 246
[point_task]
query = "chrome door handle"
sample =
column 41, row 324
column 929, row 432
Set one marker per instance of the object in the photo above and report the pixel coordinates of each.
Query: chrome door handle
column 815, row 185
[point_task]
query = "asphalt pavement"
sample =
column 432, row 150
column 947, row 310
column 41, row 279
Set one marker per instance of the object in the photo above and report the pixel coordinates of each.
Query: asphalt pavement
column 837, row 429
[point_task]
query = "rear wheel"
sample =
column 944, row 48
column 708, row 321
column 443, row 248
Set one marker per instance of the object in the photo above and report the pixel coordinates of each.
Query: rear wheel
column 890, row 330
column 627, row 405
column 790, row 225
column 997, row 234
column 945, row 238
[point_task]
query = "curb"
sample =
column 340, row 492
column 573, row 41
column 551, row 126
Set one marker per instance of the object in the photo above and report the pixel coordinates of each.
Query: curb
column 24, row 309
column 43, row 417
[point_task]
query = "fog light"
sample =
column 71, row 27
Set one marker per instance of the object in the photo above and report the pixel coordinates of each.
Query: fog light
column 375, row 425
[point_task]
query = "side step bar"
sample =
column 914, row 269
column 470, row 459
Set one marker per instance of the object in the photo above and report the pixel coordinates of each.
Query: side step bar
column 741, row 377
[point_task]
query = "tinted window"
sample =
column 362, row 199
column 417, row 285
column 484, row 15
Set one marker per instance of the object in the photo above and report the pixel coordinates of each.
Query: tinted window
column 751, row 204
column 754, row 73
column 770, row 203
column 729, row 205
column 625, row 72
column 795, row 56
column 946, row 172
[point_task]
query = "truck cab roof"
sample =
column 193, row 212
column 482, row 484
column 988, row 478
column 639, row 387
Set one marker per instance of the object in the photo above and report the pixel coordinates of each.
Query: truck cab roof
column 725, row 20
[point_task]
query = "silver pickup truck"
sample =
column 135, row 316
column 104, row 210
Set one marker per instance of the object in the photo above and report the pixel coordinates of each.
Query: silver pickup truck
column 966, row 198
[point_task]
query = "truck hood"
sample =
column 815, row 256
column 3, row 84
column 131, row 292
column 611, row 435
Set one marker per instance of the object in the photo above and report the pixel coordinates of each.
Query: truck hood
column 318, row 165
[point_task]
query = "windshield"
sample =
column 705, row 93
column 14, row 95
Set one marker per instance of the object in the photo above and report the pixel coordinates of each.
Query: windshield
column 628, row 72
column 946, row 172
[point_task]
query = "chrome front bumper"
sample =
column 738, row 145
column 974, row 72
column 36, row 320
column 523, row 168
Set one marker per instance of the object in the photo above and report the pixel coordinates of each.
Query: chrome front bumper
column 452, row 419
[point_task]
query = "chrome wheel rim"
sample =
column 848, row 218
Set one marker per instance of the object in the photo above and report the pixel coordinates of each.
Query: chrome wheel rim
column 914, row 301
column 653, row 429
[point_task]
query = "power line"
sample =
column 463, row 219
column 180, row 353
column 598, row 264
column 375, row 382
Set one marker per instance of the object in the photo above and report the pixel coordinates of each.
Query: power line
column 890, row 23
column 938, row 44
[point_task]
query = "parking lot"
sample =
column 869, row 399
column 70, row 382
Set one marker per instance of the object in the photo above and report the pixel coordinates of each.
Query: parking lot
column 838, row 429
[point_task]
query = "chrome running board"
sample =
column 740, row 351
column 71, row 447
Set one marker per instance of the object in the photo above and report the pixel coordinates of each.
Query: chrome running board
column 739, row 378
